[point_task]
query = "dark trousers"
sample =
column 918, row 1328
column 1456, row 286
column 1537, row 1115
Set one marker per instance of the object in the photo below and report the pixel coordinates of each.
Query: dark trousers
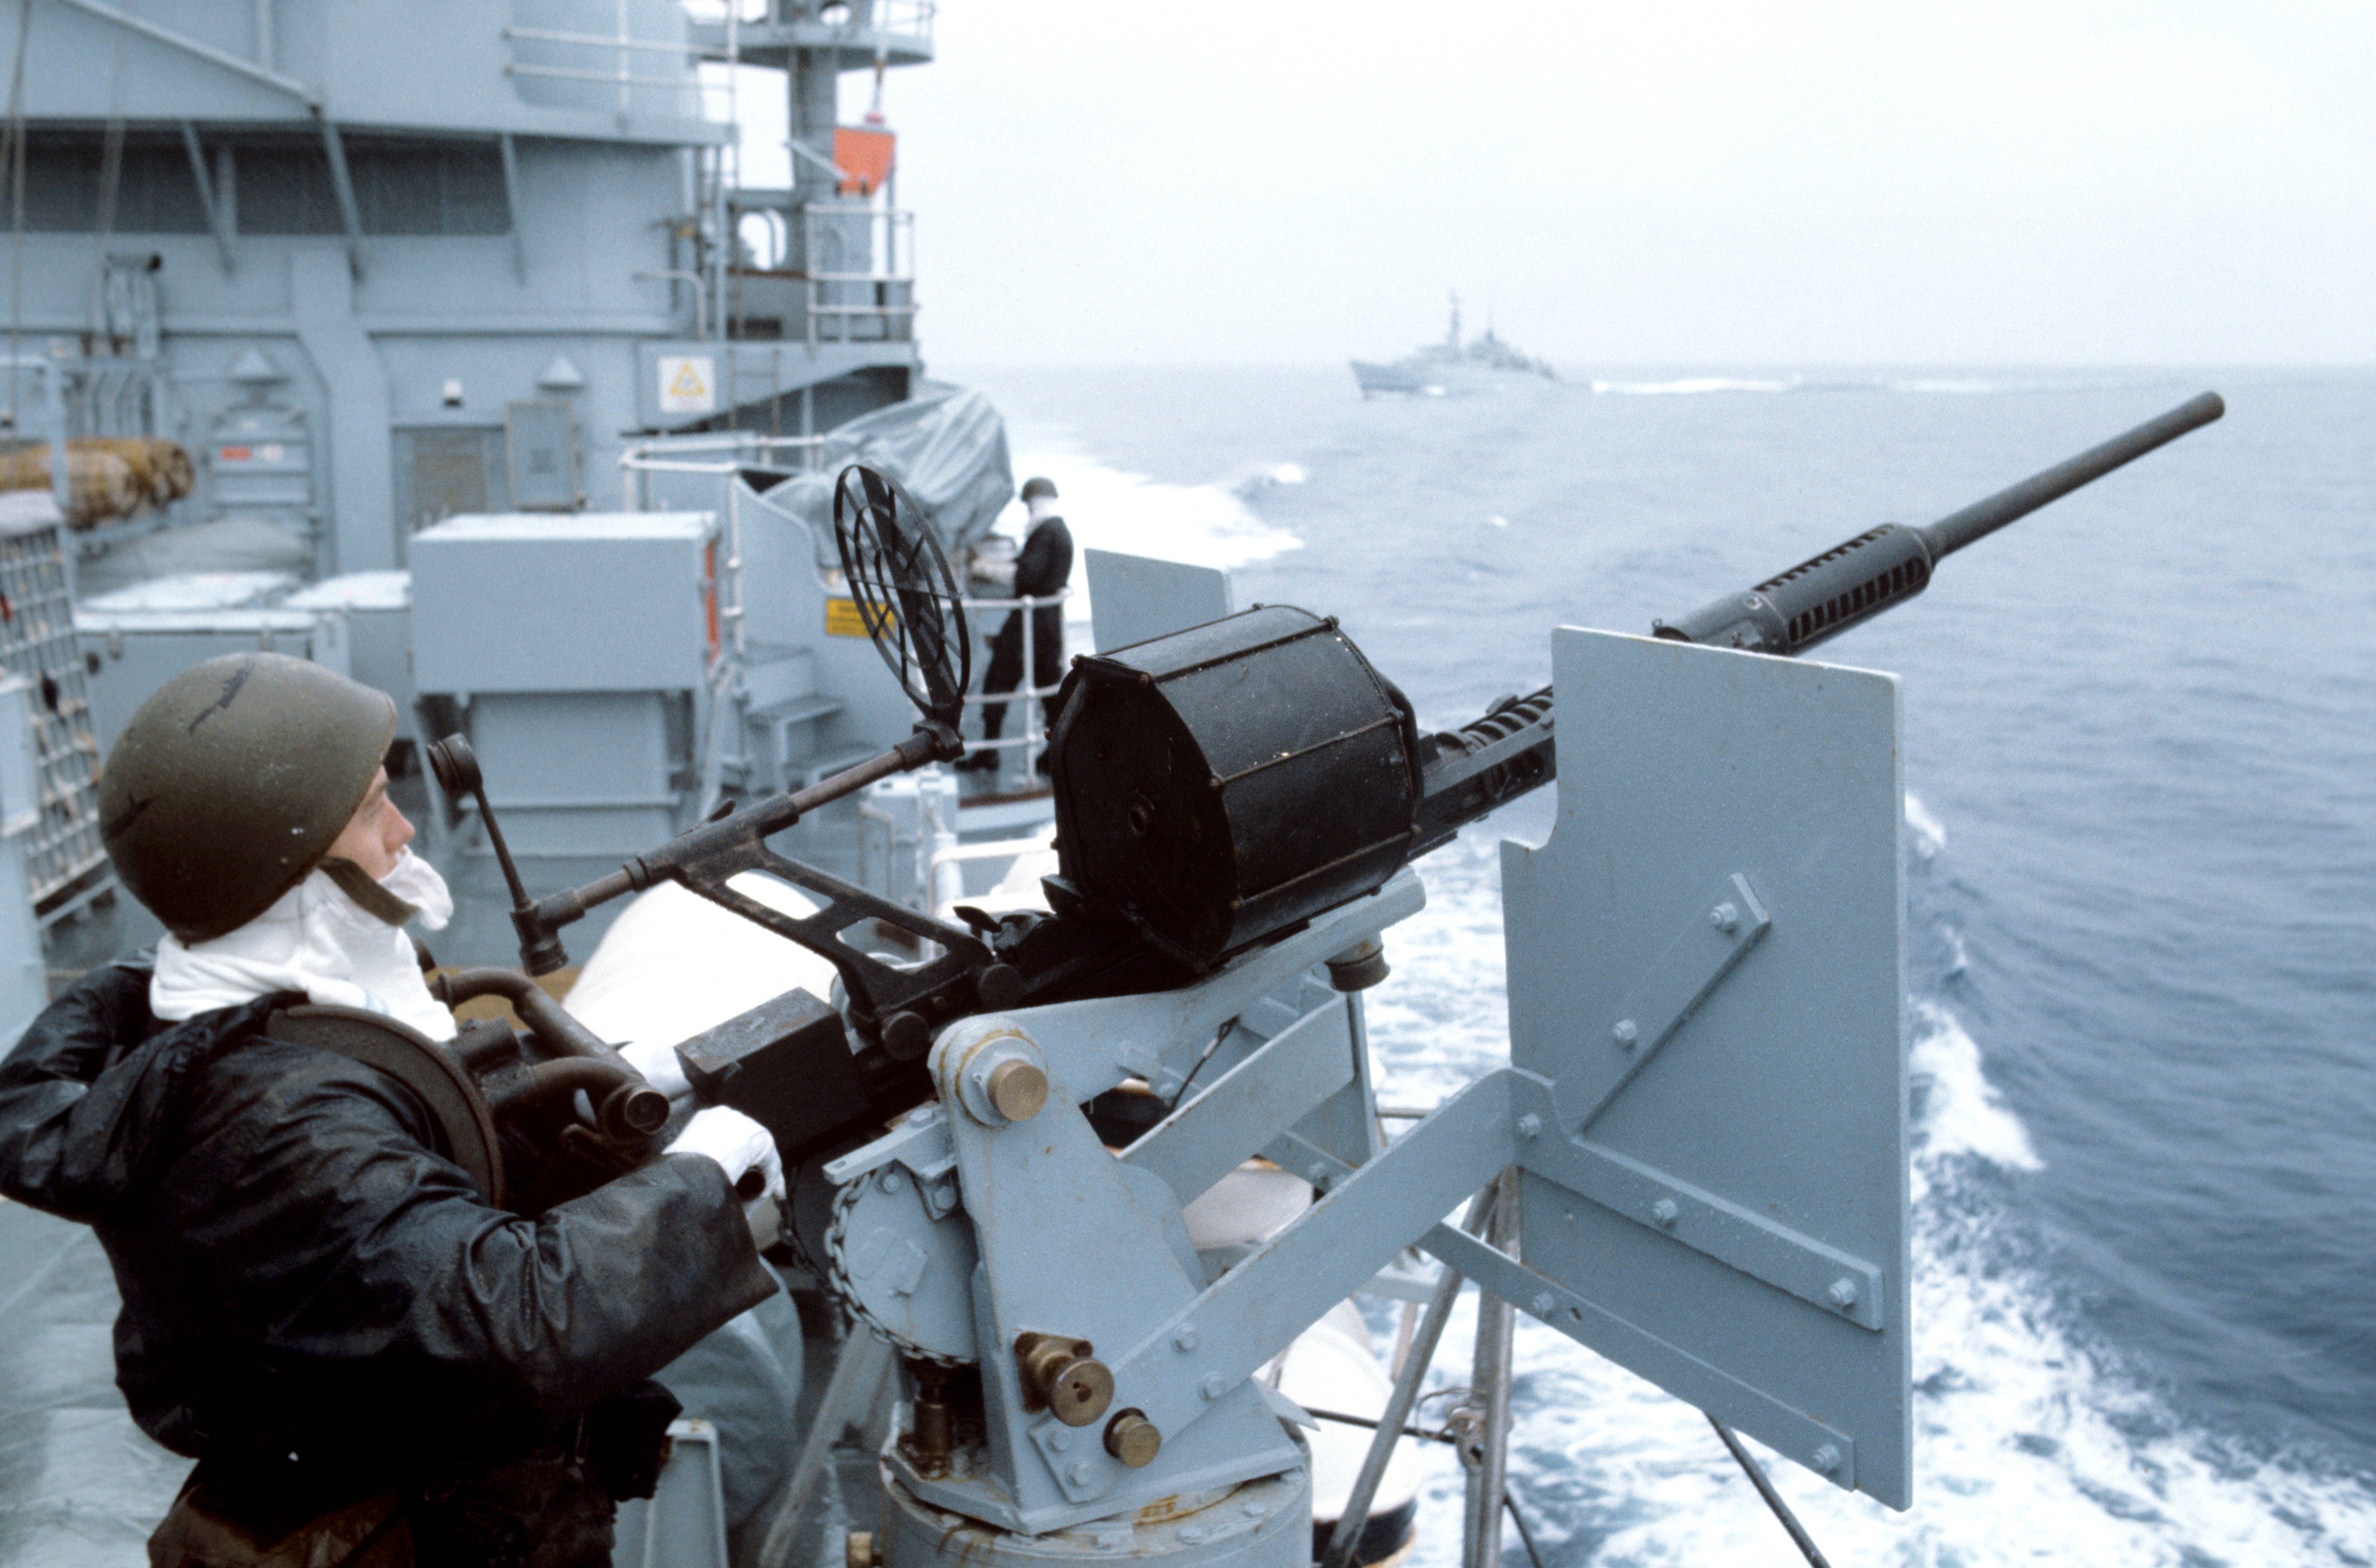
column 1007, row 662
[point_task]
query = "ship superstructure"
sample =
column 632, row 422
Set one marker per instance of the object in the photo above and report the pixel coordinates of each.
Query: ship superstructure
column 379, row 266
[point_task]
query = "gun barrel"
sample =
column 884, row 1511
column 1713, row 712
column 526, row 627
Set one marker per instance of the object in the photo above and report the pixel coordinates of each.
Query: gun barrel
column 1981, row 518
column 1852, row 582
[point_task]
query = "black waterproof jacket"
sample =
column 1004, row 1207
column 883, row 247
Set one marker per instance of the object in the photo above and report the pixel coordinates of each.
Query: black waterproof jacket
column 306, row 1279
column 1043, row 567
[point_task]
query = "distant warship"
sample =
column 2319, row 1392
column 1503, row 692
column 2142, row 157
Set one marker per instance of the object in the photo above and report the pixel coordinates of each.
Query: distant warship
column 1434, row 369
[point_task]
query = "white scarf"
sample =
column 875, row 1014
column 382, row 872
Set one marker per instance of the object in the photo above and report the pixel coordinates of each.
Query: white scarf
column 316, row 940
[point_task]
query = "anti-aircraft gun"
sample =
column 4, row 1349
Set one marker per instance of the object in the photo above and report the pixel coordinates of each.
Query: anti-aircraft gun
column 1695, row 1162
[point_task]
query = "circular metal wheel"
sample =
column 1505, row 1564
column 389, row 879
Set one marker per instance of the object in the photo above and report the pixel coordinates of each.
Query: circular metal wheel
column 905, row 1272
column 907, row 597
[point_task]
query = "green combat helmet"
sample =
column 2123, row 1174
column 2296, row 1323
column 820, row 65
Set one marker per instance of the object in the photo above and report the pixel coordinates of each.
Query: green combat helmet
column 233, row 782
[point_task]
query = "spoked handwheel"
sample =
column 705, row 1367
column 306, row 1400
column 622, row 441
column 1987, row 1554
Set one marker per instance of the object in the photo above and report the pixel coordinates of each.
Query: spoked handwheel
column 908, row 599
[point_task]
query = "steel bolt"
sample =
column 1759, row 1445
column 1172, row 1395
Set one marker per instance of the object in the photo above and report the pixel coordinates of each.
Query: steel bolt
column 1082, row 1472
column 1185, row 1341
column 1843, row 1293
column 1059, row 1441
column 1214, row 1385
column 1827, row 1459
column 1724, row 918
column 890, row 1180
column 1543, row 1304
column 1625, row 1034
column 1530, row 1126
column 1666, row 1213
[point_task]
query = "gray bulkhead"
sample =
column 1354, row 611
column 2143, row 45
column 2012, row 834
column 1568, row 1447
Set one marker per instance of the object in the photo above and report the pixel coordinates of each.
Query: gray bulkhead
column 380, row 264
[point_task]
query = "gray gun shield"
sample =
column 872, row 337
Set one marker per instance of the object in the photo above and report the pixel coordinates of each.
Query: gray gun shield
column 1705, row 959
column 1134, row 599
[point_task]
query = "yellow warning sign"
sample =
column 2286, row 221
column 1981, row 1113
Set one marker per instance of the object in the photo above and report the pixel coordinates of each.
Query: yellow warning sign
column 688, row 384
column 842, row 619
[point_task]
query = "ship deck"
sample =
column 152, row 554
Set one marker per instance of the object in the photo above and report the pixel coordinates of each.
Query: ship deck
column 80, row 1485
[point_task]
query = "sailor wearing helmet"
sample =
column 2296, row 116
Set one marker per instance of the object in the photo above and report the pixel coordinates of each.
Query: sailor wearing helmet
column 1039, row 572
column 371, row 1362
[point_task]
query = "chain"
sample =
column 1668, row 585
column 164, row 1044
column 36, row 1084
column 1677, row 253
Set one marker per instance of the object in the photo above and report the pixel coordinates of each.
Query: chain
column 836, row 1240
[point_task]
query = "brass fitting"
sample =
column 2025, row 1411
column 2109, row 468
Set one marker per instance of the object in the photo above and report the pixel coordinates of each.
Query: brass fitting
column 1018, row 1090
column 1060, row 1374
column 1133, row 1438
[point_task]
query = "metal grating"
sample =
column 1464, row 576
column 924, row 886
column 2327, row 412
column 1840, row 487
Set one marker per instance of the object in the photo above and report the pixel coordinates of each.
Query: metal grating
column 37, row 640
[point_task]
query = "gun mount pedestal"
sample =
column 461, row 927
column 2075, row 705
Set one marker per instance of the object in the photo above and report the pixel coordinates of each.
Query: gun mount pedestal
column 1704, row 1111
column 1264, row 1523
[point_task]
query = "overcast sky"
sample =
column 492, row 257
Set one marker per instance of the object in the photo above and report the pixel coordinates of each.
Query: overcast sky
column 2086, row 183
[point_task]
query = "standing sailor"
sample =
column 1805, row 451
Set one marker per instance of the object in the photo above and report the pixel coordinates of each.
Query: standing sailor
column 1039, row 572
column 371, row 1362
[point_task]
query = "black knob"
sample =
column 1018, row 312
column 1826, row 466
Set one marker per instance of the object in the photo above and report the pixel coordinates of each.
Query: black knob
column 906, row 1036
column 454, row 766
column 999, row 987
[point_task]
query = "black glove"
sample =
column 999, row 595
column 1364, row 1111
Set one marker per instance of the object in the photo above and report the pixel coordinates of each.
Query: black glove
column 627, row 1441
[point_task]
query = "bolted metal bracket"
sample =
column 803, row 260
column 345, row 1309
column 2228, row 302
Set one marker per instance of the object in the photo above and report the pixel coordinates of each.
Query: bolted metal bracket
column 921, row 1142
column 1714, row 938
column 1756, row 1244
column 1804, row 1437
column 1076, row 1250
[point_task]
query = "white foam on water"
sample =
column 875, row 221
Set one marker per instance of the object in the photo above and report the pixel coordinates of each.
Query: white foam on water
column 1962, row 1114
column 1108, row 508
column 1950, row 385
column 2031, row 1444
column 1692, row 385
column 1925, row 836
column 1982, row 386
column 1265, row 478
column 1959, row 955
column 1927, row 386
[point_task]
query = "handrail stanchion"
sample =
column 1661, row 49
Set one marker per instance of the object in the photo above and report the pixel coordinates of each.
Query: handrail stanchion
column 1028, row 682
column 1031, row 740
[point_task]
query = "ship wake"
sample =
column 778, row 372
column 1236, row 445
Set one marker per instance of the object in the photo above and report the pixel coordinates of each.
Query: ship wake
column 2035, row 1438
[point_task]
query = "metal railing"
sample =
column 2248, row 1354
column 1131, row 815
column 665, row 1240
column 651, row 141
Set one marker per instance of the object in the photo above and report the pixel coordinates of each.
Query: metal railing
column 622, row 75
column 638, row 462
column 1031, row 699
column 887, row 284
column 674, row 455
column 688, row 86
column 856, row 20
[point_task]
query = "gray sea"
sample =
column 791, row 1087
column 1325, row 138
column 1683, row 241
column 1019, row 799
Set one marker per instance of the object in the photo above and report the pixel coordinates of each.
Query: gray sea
column 2140, row 757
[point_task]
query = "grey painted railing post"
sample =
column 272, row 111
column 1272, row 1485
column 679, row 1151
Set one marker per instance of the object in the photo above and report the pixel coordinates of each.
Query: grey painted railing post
column 1346, row 1534
column 1485, row 1448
